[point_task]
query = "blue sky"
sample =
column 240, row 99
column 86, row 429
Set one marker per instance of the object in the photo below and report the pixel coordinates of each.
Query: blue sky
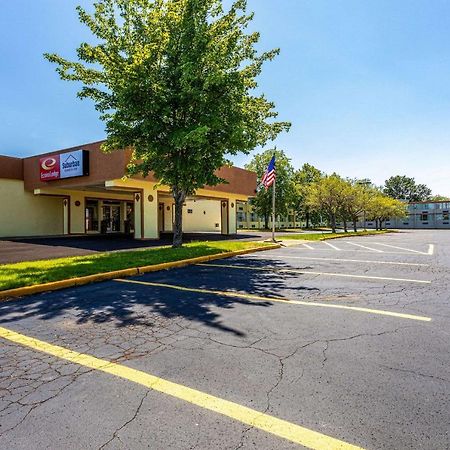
column 366, row 84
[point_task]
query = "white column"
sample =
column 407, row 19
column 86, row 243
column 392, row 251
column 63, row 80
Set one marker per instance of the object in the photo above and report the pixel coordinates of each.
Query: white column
column 224, row 226
column 150, row 222
column 123, row 215
column 146, row 214
column 66, row 203
column 137, row 215
column 232, row 217
column 77, row 214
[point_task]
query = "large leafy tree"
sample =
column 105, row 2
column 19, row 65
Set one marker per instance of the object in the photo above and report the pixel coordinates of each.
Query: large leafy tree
column 405, row 188
column 302, row 179
column 262, row 203
column 175, row 81
column 383, row 207
column 329, row 195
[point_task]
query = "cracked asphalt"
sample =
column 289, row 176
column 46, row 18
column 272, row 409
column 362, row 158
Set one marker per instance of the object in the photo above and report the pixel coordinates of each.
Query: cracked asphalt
column 373, row 381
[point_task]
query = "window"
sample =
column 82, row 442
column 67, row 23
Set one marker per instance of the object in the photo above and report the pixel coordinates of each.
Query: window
column 424, row 217
column 445, row 215
column 189, row 211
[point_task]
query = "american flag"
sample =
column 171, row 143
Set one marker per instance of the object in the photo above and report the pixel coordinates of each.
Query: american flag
column 269, row 175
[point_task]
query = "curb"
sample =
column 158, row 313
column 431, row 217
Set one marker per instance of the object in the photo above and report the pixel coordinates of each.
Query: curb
column 12, row 294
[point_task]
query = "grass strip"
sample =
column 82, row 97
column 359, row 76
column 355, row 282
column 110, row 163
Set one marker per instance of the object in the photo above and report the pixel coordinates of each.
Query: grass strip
column 44, row 271
column 326, row 236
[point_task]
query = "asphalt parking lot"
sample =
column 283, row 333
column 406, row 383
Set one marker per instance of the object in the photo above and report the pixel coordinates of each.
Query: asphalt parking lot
column 319, row 345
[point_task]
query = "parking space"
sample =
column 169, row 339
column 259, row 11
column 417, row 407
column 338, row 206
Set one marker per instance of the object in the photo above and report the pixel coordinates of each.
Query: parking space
column 316, row 347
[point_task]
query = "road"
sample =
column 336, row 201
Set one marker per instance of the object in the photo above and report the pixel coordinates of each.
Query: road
column 338, row 344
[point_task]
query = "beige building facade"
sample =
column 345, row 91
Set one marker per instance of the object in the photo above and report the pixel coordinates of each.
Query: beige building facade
column 84, row 191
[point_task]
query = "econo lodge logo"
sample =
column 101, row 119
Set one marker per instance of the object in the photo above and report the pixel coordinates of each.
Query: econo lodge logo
column 48, row 164
column 50, row 168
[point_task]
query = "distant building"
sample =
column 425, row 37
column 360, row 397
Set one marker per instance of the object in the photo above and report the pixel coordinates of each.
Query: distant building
column 423, row 215
column 248, row 219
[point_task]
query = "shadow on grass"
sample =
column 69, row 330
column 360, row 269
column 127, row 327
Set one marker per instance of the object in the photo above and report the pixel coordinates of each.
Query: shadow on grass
column 130, row 304
column 110, row 242
column 38, row 272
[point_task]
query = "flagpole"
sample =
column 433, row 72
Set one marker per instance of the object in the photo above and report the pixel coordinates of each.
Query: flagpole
column 273, row 210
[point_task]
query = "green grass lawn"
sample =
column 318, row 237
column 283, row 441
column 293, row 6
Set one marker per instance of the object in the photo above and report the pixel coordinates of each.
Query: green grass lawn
column 38, row 272
column 325, row 236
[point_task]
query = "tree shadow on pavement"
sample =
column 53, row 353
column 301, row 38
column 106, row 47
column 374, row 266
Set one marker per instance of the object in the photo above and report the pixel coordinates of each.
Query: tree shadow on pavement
column 131, row 304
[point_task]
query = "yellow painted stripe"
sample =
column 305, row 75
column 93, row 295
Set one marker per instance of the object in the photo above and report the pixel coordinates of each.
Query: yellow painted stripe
column 278, row 299
column 310, row 272
column 278, row 427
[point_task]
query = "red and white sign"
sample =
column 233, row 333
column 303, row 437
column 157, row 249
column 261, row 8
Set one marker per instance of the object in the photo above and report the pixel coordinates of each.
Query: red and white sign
column 64, row 165
column 50, row 168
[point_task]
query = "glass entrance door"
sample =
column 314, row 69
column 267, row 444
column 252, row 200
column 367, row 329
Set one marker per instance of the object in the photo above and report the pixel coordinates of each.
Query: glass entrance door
column 111, row 219
column 91, row 216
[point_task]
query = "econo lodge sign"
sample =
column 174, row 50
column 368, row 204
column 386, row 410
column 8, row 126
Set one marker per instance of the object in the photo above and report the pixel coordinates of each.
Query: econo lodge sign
column 64, row 165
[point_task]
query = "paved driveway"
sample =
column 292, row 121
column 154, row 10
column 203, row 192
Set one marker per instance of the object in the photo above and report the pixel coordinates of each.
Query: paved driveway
column 337, row 345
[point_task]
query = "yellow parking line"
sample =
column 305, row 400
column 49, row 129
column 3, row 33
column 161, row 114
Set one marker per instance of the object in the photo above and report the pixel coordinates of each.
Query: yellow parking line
column 278, row 427
column 278, row 299
column 310, row 272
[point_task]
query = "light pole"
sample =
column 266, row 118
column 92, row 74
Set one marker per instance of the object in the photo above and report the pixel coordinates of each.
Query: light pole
column 364, row 183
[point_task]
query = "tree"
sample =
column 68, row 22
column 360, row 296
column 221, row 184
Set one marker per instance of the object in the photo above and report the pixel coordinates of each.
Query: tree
column 382, row 207
column 303, row 178
column 357, row 198
column 328, row 194
column 405, row 188
column 174, row 80
column 262, row 203
column 439, row 198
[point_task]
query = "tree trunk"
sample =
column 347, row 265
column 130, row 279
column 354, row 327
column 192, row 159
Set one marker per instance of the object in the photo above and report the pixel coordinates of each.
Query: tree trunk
column 355, row 219
column 333, row 223
column 266, row 222
column 345, row 225
column 307, row 219
column 179, row 196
